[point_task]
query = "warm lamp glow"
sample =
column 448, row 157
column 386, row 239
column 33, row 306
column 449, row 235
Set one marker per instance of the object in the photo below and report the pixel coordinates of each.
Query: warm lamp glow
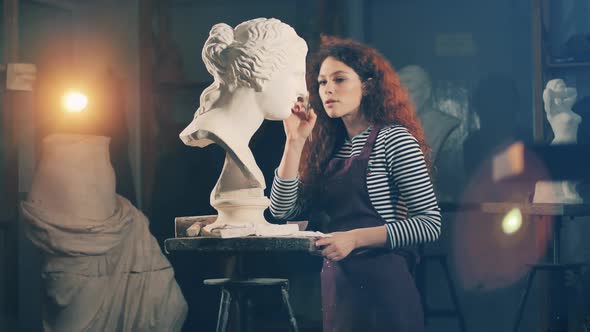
column 75, row 101
column 512, row 221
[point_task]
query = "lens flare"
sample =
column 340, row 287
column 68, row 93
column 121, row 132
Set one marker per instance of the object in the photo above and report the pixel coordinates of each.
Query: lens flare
column 512, row 221
column 75, row 101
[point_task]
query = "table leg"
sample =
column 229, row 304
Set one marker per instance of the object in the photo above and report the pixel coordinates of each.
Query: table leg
column 292, row 320
column 557, row 297
column 557, row 240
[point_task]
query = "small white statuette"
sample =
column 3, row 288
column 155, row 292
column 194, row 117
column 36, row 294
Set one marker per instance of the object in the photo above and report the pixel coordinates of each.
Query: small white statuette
column 559, row 99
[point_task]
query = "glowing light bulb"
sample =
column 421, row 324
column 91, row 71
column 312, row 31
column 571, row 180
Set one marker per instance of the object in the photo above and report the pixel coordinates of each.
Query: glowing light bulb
column 512, row 221
column 75, row 101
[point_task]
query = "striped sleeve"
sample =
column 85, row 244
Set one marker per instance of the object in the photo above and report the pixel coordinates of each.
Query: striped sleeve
column 409, row 174
column 284, row 198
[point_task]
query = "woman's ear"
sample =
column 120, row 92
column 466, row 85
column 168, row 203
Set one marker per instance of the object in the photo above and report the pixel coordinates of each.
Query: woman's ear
column 367, row 86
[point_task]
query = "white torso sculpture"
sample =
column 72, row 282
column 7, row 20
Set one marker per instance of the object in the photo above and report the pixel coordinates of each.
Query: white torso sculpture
column 558, row 100
column 103, row 270
column 438, row 127
column 259, row 72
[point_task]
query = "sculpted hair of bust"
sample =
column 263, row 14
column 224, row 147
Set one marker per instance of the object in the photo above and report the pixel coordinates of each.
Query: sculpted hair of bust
column 249, row 54
column 246, row 57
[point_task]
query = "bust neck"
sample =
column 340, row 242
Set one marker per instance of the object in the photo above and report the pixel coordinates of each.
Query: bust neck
column 231, row 122
column 235, row 115
column 75, row 177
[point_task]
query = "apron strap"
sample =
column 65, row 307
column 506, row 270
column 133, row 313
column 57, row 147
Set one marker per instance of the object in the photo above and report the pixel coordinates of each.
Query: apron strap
column 368, row 147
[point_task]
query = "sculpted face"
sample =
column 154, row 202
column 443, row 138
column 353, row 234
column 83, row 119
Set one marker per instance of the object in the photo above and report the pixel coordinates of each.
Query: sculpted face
column 280, row 93
column 417, row 82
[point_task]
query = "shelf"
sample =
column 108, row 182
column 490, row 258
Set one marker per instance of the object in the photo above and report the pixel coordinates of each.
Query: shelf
column 541, row 209
column 568, row 65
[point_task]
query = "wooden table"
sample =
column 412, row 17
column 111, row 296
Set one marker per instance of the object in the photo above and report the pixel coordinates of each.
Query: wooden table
column 238, row 250
column 560, row 212
column 249, row 244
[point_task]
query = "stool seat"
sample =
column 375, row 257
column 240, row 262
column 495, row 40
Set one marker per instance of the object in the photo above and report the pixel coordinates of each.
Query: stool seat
column 236, row 288
column 252, row 282
column 558, row 266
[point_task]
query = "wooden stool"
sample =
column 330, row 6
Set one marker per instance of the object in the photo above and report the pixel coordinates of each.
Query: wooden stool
column 232, row 288
column 429, row 312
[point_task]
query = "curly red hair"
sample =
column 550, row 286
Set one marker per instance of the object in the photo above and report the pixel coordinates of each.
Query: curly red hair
column 385, row 101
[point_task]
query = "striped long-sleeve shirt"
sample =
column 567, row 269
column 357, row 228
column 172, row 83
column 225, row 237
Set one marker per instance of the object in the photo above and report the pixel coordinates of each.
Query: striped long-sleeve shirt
column 399, row 187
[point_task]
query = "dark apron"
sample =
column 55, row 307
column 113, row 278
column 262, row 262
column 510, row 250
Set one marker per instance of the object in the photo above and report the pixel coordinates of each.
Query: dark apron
column 370, row 289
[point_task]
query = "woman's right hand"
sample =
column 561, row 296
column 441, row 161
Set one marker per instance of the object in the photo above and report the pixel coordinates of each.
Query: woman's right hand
column 298, row 127
column 299, row 124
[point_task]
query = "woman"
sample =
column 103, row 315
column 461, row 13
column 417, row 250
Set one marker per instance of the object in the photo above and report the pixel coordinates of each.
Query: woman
column 366, row 181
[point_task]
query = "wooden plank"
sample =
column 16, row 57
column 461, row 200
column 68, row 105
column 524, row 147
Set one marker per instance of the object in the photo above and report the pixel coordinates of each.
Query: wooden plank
column 241, row 244
column 569, row 65
column 181, row 224
column 541, row 209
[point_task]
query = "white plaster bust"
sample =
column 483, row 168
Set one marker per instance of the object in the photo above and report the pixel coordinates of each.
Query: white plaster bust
column 102, row 268
column 436, row 124
column 558, row 100
column 259, row 72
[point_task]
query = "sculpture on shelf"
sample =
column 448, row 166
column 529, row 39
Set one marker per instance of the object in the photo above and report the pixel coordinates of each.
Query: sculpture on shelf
column 558, row 100
column 103, row 270
column 437, row 127
column 259, row 72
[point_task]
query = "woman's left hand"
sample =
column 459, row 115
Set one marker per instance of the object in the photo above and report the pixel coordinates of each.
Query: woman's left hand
column 338, row 246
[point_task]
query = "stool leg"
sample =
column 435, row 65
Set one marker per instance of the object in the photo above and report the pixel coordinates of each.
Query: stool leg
column 292, row 320
column 420, row 272
column 453, row 292
column 224, row 306
column 243, row 311
column 523, row 299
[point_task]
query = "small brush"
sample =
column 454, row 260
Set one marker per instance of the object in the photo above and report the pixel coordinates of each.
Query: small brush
column 305, row 101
